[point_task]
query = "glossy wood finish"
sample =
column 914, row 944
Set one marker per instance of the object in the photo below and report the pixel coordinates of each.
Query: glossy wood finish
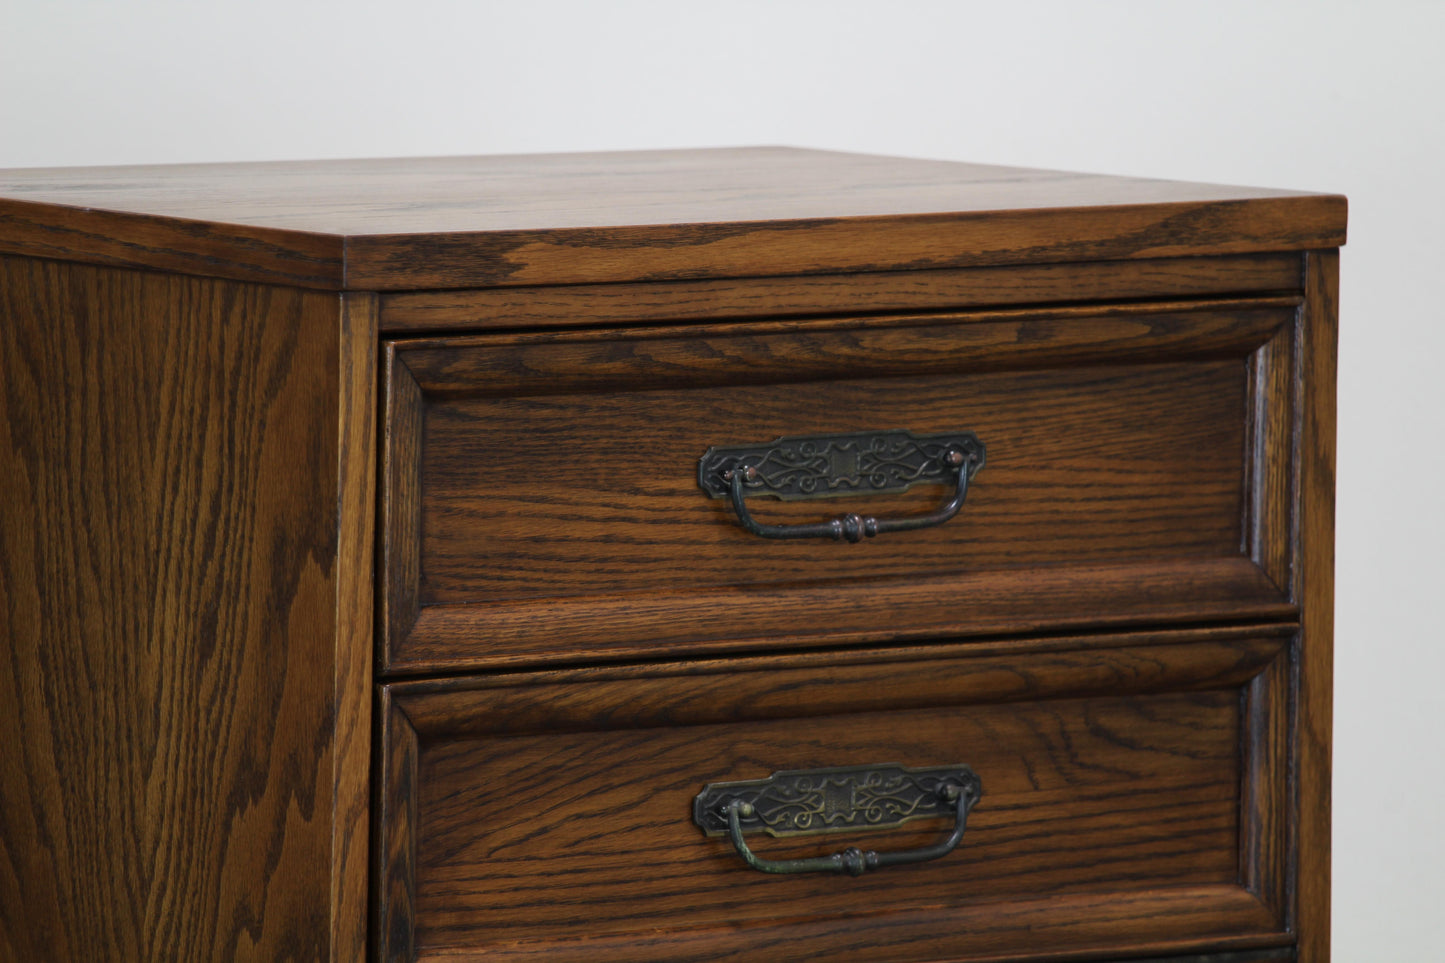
column 563, row 469
column 186, row 627
column 840, row 294
column 628, row 217
column 552, row 813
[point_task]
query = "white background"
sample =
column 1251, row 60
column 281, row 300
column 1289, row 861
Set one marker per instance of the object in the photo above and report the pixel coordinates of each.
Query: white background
column 1315, row 95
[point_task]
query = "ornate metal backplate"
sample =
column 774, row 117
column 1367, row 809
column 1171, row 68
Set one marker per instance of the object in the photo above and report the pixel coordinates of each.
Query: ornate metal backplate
column 806, row 802
column 823, row 466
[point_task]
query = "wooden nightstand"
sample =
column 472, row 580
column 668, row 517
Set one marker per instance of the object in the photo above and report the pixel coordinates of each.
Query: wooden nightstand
column 507, row 558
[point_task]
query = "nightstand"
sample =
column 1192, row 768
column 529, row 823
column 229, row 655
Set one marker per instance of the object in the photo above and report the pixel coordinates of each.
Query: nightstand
column 675, row 555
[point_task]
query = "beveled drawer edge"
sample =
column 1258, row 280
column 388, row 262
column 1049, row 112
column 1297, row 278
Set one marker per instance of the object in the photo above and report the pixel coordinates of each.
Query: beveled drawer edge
column 1064, row 667
column 810, row 660
column 432, row 377
column 414, row 367
column 717, row 620
column 1215, row 916
column 1157, row 915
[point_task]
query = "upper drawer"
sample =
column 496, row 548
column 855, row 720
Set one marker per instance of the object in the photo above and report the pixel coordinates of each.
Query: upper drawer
column 541, row 494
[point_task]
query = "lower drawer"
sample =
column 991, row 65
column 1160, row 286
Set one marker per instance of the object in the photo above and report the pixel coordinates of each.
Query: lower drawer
column 1134, row 800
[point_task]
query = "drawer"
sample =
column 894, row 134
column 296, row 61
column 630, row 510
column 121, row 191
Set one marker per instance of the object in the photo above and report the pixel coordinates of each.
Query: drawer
column 1134, row 800
column 542, row 497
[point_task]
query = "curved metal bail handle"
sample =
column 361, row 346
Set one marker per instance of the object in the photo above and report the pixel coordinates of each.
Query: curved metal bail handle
column 853, row 860
column 853, row 527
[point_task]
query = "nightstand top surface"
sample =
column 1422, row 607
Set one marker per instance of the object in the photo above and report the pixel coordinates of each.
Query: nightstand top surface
column 646, row 215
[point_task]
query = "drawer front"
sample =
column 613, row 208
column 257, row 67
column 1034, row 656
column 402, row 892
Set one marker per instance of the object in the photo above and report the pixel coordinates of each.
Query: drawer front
column 543, row 500
column 1134, row 800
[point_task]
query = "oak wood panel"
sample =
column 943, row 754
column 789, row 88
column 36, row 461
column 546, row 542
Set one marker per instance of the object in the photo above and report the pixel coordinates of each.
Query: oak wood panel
column 1314, row 587
column 858, row 680
column 524, row 784
column 521, row 192
column 591, row 832
column 987, row 933
column 562, row 467
column 114, row 238
column 1270, row 490
column 712, row 620
column 1266, row 855
column 551, row 496
column 549, row 362
column 185, row 659
column 594, row 304
column 394, row 843
column 401, row 499
column 584, row 218
column 572, row 305
column 761, row 248
column 1152, row 921
column 355, row 652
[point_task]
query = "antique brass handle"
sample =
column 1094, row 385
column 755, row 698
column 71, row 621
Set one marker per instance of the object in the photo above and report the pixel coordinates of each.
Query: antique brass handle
column 821, row 466
column 824, row 800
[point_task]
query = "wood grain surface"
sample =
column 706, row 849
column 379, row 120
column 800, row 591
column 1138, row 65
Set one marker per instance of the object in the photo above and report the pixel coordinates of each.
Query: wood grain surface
column 1315, row 587
column 352, row 694
column 846, row 294
column 1127, row 631
column 184, row 625
column 555, row 808
column 588, row 218
column 564, row 469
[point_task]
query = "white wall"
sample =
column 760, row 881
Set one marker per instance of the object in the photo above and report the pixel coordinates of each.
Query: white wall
column 1321, row 95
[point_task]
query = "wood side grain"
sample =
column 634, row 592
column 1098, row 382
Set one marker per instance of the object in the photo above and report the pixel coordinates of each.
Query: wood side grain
column 169, row 566
column 1314, row 587
column 848, row 294
column 116, row 239
column 626, row 217
column 355, row 592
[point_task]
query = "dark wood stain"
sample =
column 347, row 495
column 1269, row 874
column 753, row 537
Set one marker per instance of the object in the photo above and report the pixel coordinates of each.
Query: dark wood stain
column 547, row 805
column 1315, row 587
column 171, row 565
column 391, row 225
column 1139, row 453
column 324, row 646
column 805, row 295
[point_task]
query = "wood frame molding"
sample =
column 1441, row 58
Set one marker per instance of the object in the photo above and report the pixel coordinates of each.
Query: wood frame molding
column 671, row 302
column 424, row 638
column 1254, row 659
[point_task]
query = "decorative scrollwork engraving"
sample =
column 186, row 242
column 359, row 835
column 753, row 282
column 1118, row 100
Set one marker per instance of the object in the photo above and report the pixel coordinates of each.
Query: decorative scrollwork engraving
column 805, row 802
column 825, row 466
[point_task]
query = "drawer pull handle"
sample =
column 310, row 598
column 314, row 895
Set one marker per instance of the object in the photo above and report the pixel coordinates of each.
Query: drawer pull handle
column 824, row 466
column 826, row 800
